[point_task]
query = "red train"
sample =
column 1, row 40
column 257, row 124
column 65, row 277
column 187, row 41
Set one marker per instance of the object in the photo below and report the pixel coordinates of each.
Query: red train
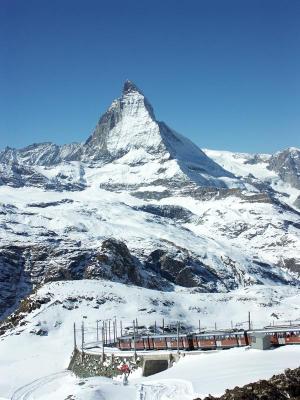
column 156, row 342
column 208, row 340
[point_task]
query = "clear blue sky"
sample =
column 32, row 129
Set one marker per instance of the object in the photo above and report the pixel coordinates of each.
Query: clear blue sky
column 224, row 73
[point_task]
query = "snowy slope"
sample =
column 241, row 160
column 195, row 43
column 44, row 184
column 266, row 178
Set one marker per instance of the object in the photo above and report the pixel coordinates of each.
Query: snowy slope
column 67, row 302
column 279, row 172
column 193, row 376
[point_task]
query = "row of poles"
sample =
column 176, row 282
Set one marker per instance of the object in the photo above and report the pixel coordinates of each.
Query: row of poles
column 108, row 339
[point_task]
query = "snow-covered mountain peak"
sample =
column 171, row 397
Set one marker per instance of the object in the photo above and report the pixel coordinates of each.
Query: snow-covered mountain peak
column 129, row 129
column 129, row 87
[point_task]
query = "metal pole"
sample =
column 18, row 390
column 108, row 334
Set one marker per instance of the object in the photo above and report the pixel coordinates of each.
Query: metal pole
column 97, row 331
column 75, row 346
column 249, row 321
column 82, row 340
column 114, row 330
column 215, row 326
column 163, row 327
column 137, row 326
column 155, row 327
column 103, row 338
column 109, row 337
column 178, row 337
column 199, row 326
column 134, row 344
column 82, row 333
column 121, row 328
column 106, row 333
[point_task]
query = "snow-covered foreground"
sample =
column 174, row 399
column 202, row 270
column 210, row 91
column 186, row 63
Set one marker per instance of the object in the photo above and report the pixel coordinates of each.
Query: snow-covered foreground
column 199, row 375
column 27, row 357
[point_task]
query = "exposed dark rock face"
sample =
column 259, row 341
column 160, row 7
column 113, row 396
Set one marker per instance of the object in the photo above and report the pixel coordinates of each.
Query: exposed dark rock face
column 279, row 387
column 287, row 164
column 50, row 203
column 26, row 306
column 292, row 264
column 24, row 267
column 183, row 270
column 176, row 213
column 114, row 261
column 13, row 280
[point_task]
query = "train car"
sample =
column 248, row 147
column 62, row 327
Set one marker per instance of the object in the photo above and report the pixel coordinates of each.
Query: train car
column 139, row 343
column 124, row 342
column 148, row 342
column 204, row 341
column 231, row 339
column 155, row 342
column 171, row 342
column 160, row 342
column 280, row 336
column 220, row 340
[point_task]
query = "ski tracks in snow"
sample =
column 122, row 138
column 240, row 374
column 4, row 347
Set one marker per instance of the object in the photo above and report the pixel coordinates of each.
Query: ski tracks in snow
column 169, row 389
column 25, row 392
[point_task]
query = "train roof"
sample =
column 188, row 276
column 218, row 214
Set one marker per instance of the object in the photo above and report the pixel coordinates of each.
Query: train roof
column 271, row 327
column 216, row 333
column 143, row 336
column 275, row 330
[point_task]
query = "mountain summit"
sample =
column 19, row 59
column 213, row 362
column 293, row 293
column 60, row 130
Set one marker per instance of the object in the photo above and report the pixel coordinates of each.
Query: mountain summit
column 128, row 130
column 129, row 86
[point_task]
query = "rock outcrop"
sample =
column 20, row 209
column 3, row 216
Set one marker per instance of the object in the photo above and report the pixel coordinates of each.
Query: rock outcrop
column 279, row 387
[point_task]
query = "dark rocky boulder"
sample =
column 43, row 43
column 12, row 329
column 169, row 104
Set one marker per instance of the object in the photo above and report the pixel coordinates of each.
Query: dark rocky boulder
column 279, row 387
column 176, row 213
column 182, row 270
column 114, row 261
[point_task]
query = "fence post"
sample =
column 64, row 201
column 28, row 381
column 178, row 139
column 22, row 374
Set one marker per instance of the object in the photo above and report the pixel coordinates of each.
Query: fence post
column 134, row 344
column 103, row 337
column 109, row 337
column 114, row 330
column 74, row 328
column 82, row 340
column 249, row 320
column 178, row 337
